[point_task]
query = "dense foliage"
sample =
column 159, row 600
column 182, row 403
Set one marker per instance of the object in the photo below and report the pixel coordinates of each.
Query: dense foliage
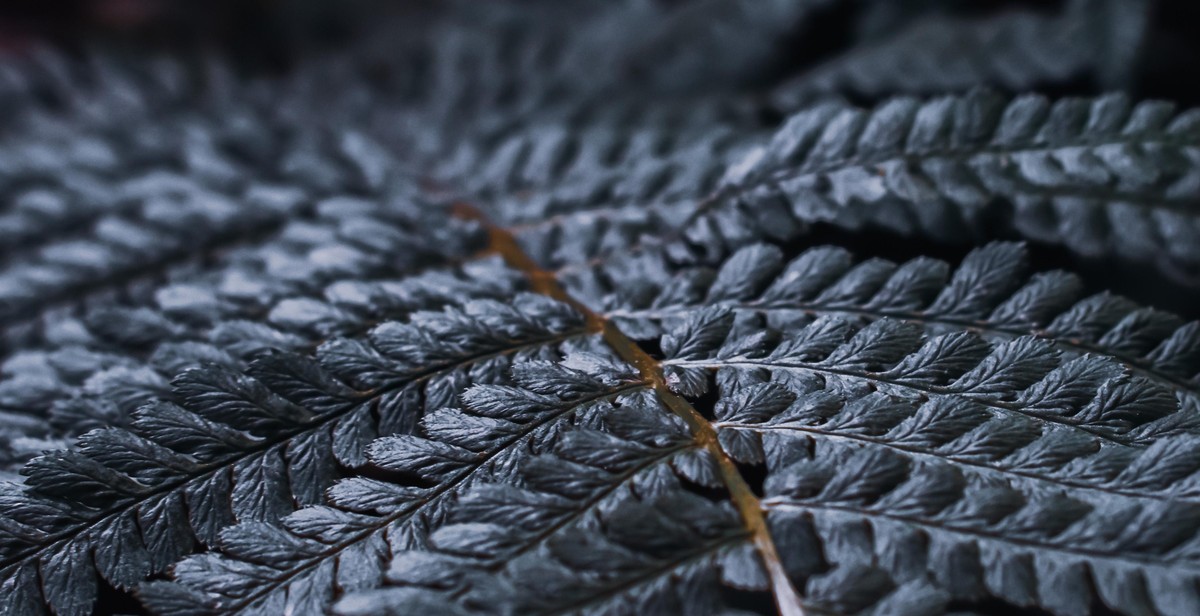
column 636, row 307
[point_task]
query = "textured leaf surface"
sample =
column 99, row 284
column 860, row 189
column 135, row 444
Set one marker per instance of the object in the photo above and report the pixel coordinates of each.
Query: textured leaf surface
column 1103, row 177
column 608, row 308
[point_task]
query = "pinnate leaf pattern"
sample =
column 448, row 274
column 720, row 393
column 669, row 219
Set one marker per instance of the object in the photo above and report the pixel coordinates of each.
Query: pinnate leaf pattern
column 543, row 310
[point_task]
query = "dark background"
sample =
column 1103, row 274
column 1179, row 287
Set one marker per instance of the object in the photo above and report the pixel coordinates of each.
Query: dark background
column 270, row 35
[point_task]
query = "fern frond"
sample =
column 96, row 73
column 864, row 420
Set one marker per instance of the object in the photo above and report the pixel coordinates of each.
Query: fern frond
column 1103, row 177
column 990, row 293
column 1012, row 412
column 1017, row 51
column 563, row 169
column 601, row 522
column 291, row 568
column 1024, row 378
column 820, row 509
column 96, row 369
column 586, row 187
column 262, row 444
column 1040, row 549
column 503, row 310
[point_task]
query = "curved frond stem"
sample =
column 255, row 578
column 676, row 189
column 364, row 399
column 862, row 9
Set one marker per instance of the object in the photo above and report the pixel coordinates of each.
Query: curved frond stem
column 997, row 472
column 965, row 155
column 921, row 390
column 787, row 600
column 987, row 328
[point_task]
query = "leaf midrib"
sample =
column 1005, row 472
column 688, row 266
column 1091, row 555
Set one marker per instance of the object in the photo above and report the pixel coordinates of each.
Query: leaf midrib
column 1135, row 364
column 929, row 390
column 965, row 461
column 744, row 499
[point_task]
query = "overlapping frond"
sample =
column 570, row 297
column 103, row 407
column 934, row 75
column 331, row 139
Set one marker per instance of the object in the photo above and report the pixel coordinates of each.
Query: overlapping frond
column 1103, row 177
column 296, row 567
column 1012, row 412
column 233, row 447
column 991, row 293
column 877, row 503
